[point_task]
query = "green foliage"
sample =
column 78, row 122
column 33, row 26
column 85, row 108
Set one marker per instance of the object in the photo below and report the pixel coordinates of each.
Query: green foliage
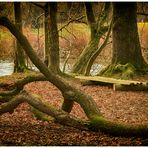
column 4, row 35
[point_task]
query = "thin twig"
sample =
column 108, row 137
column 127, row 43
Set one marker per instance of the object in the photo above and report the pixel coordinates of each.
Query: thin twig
column 71, row 21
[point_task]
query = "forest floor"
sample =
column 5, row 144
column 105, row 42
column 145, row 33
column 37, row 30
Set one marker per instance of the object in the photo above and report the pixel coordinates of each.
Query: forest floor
column 22, row 129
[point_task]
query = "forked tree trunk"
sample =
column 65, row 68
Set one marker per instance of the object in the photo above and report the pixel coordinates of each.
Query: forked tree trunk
column 126, row 45
column 97, row 29
column 19, row 61
column 95, row 54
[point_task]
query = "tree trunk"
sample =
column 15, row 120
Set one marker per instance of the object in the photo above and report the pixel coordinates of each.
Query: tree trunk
column 81, row 63
column 91, row 19
column 97, row 29
column 53, row 53
column 126, row 45
column 46, row 32
column 19, row 61
column 87, row 103
column 97, row 52
column 53, row 38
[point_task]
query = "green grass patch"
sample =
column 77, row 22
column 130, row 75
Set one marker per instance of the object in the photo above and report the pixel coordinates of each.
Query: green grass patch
column 4, row 34
column 77, row 29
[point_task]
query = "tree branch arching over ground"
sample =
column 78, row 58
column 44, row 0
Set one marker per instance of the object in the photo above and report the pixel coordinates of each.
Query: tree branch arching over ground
column 87, row 103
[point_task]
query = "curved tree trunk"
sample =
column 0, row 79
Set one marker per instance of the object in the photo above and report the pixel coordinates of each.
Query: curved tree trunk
column 97, row 52
column 97, row 29
column 87, row 103
column 19, row 61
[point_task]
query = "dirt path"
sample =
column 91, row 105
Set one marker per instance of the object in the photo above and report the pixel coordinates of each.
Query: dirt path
column 21, row 128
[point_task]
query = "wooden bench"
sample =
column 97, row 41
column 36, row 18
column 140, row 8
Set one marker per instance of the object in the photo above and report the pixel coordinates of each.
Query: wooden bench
column 117, row 84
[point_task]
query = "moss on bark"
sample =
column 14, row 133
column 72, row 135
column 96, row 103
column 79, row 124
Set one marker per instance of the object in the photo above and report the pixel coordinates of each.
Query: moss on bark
column 118, row 129
column 122, row 71
column 40, row 115
column 97, row 28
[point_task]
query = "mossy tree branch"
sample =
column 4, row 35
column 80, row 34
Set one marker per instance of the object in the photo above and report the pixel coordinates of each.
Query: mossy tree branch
column 118, row 129
column 97, row 52
column 35, row 101
column 87, row 103
column 97, row 123
column 19, row 85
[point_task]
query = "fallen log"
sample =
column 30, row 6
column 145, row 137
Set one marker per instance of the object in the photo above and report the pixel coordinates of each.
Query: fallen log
column 131, row 87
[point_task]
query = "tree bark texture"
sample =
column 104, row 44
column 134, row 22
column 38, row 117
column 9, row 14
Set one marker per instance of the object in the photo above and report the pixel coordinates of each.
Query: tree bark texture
column 126, row 45
column 33, row 100
column 19, row 61
column 53, row 38
column 46, row 32
column 97, row 29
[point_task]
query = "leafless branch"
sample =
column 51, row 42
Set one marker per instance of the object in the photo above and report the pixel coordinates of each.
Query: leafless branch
column 70, row 33
column 141, row 13
column 71, row 21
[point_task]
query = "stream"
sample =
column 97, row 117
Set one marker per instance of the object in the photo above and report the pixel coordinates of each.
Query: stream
column 7, row 67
